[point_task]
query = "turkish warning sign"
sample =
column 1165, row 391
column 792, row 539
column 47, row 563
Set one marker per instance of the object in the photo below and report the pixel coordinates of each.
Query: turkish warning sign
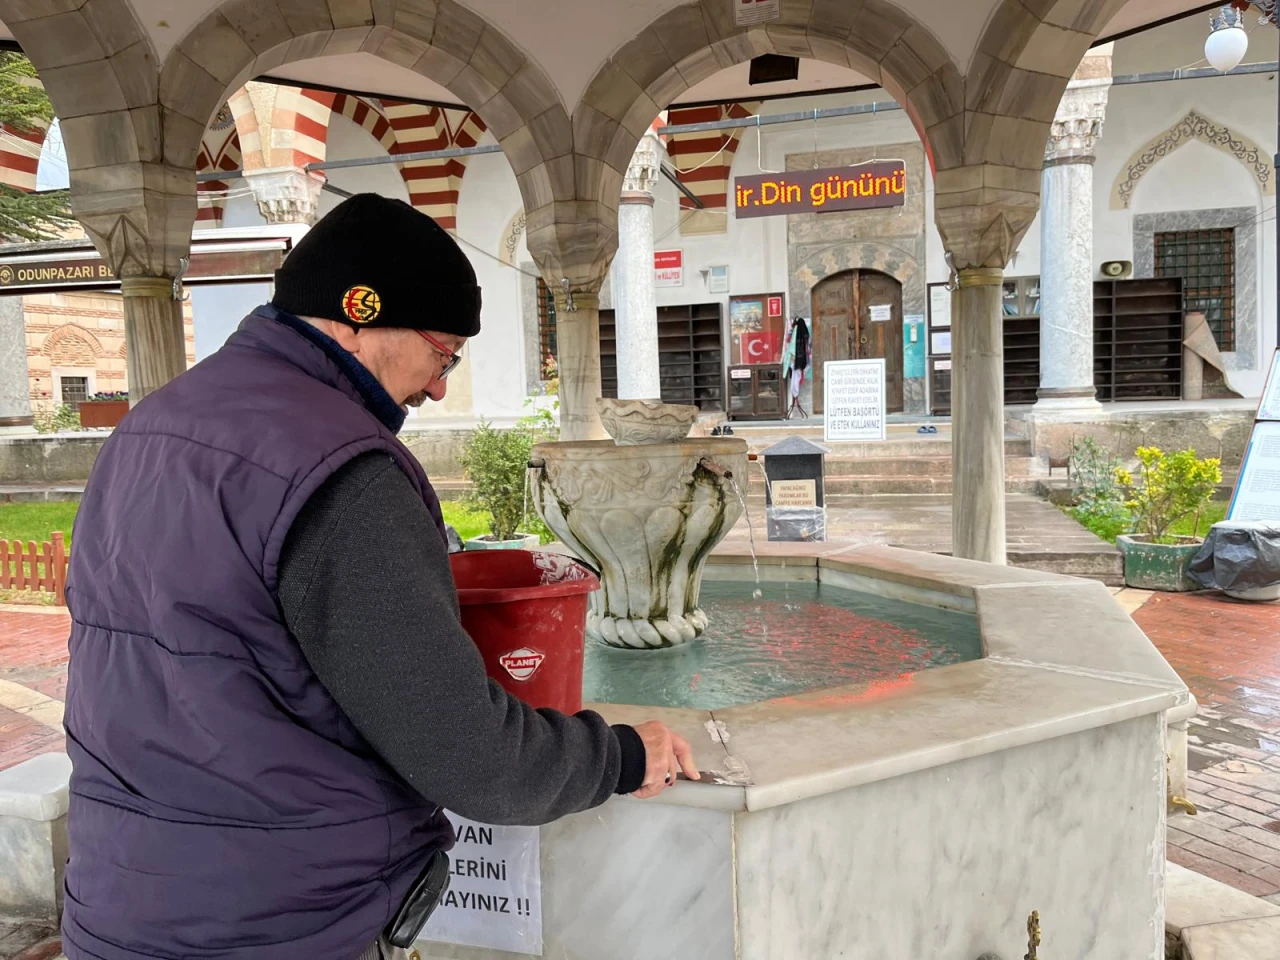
column 494, row 900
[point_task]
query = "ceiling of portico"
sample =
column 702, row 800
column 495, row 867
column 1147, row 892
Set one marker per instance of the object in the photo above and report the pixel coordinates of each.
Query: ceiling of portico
column 556, row 34
column 734, row 84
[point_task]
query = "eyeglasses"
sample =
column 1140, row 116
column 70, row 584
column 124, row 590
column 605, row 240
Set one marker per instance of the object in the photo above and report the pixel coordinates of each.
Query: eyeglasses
column 451, row 357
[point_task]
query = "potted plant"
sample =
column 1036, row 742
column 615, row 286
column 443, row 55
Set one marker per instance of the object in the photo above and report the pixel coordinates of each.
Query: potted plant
column 1168, row 488
column 104, row 409
column 497, row 464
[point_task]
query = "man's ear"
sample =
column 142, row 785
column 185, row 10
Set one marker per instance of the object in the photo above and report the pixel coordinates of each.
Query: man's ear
column 348, row 337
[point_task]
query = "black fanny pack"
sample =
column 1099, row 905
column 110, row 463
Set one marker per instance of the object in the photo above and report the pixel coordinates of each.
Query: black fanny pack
column 419, row 903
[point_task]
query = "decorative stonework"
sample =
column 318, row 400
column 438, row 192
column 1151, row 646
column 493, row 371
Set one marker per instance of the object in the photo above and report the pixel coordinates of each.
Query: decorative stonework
column 637, row 422
column 1079, row 120
column 510, row 241
column 644, row 170
column 1193, row 126
column 646, row 517
column 1244, row 221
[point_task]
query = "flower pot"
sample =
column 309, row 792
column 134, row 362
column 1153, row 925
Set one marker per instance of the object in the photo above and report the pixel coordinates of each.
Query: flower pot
column 1158, row 566
column 102, row 413
column 523, row 541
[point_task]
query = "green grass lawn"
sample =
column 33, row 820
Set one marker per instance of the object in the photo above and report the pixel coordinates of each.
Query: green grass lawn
column 35, row 521
column 1109, row 529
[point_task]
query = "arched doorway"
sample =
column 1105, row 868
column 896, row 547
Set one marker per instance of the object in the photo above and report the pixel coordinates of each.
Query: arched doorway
column 857, row 315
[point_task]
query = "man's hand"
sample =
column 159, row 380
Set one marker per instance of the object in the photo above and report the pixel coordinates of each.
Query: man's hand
column 665, row 755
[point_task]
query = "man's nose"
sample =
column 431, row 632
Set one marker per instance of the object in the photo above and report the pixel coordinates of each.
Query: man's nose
column 437, row 390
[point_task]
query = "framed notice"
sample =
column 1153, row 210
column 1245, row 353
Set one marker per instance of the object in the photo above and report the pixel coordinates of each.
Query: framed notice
column 775, row 306
column 494, row 900
column 747, row 13
column 1257, row 493
column 881, row 312
column 939, row 305
column 854, row 398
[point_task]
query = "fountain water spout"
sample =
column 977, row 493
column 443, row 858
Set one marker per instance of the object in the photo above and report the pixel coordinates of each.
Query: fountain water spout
column 706, row 463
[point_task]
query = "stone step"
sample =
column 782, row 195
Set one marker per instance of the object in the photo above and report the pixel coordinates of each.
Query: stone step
column 871, row 486
column 911, row 445
column 934, row 466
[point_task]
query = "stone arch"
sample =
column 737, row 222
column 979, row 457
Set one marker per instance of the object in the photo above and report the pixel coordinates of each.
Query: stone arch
column 690, row 43
column 859, row 255
column 444, row 41
column 99, row 68
column 1194, row 126
column 71, row 345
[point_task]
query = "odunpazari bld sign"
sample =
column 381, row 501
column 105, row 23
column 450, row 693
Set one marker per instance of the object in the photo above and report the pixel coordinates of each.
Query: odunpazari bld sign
column 882, row 183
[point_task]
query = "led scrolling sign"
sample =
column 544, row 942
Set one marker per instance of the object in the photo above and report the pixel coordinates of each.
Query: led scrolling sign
column 867, row 186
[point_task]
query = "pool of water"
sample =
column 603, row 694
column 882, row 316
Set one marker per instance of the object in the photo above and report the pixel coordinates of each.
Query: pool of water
column 797, row 637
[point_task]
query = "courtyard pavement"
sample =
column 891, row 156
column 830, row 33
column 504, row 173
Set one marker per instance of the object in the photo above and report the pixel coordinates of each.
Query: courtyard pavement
column 1227, row 652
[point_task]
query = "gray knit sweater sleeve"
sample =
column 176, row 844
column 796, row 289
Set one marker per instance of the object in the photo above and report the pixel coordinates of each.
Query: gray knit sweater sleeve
column 366, row 589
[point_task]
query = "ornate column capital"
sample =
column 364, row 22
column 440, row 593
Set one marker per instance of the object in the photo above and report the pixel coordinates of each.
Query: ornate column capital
column 286, row 194
column 643, row 171
column 1077, row 125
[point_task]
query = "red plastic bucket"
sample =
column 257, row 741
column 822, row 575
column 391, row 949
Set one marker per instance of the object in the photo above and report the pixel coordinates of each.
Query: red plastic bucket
column 527, row 612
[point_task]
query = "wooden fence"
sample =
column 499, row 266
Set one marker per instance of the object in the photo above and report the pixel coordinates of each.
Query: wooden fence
column 32, row 567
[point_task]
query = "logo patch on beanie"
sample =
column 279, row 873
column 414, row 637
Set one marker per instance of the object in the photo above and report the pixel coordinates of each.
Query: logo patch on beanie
column 361, row 304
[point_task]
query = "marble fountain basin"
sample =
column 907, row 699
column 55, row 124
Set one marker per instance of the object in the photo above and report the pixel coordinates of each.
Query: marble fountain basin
column 925, row 815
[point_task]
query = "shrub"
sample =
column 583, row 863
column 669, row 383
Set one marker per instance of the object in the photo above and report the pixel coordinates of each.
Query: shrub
column 1095, row 491
column 110, row 395
column 1168, row 488
column 497, row 462
column 59, row 420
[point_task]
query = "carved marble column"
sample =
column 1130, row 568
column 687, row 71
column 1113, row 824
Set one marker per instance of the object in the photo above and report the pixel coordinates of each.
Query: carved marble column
column 636, row 311
column 578, row 349
column 153, row 331
column 15, row 382
column 977, row 415
column 1066, row 241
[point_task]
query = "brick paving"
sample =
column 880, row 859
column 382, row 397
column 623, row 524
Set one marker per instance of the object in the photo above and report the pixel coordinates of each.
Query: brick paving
column 1229, row 655
column 1227, row 652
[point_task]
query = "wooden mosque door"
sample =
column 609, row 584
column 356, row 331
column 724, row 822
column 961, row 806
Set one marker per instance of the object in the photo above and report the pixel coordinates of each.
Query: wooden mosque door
column 857, row 315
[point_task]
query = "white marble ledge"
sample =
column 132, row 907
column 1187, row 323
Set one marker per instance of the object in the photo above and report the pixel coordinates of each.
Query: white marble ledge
column 36, row 789
column 1075, row 626
column 930, row 571
column 813, row 744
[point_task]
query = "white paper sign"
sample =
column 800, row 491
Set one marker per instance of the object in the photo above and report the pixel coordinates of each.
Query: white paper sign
column 718, row 280
column 748, row 12
column 494, row 900
column 1269, row 407
column 854, row 395
column 881, row 313
column 1257, row 495
column 939, row 306
column 668, row 268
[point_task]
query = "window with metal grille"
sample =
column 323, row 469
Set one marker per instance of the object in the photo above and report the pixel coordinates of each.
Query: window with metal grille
column 75, row 390
column 1206, row 262
column 546, row 325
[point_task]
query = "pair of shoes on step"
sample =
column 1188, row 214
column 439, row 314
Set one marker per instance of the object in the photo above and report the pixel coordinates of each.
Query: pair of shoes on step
column 724, row 431
column 927, row 428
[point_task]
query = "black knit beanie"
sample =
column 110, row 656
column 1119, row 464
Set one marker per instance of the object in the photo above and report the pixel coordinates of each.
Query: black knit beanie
column 377, row 262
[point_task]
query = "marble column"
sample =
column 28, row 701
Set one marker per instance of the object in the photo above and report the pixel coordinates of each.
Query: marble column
column 155, row 341
column 15, row 381
column 1067, row 266
column 578, row 349
column 977, row 416
column 636, row 311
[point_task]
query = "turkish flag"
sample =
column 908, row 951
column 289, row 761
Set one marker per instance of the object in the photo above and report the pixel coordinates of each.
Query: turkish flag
column 760, row 346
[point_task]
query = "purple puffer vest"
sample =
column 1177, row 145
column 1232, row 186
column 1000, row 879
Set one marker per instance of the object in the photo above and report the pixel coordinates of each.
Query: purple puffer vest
column 221, row 803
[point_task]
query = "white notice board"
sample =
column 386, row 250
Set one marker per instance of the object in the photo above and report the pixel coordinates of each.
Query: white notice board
column 854, row 400
column 1269, row 405
column 1257, row 494
column 494, row 900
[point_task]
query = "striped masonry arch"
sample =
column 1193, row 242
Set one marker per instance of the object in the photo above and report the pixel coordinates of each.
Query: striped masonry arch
column 703, row 160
